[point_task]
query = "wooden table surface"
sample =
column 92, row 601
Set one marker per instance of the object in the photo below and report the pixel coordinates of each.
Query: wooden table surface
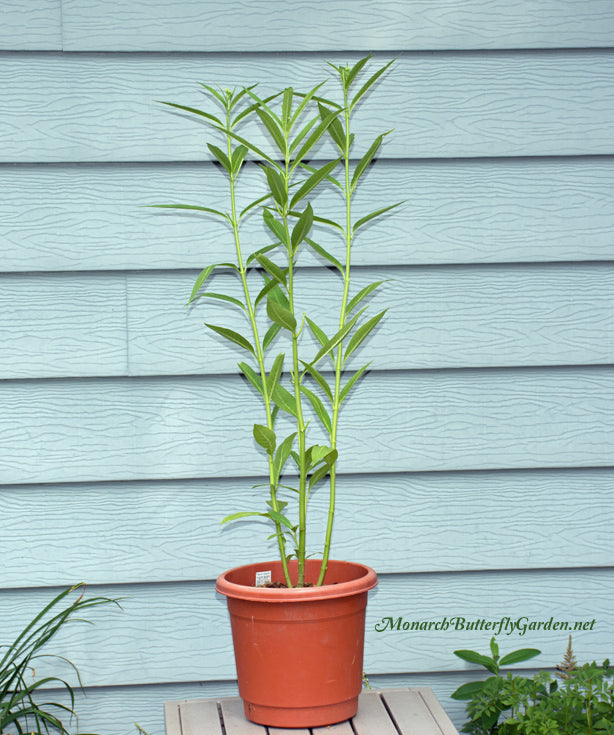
column 407, row 711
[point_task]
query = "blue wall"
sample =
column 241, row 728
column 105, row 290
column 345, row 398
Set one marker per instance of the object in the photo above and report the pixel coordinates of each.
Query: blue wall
column 478, row 473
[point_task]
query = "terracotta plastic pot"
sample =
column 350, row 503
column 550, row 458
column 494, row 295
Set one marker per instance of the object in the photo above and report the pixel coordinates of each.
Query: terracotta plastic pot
column 298, row 651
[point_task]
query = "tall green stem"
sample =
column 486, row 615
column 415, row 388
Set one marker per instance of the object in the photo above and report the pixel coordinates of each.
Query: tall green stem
column 259, row 352
column 339, row 352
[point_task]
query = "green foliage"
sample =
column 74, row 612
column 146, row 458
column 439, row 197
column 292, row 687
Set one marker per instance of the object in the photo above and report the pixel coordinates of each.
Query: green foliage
column 20, row 707
column 518, row 705
column 294, row 125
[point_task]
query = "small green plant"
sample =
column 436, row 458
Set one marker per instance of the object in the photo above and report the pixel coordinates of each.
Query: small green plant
column 20, row 708
column 316, row 379
column 518, row 705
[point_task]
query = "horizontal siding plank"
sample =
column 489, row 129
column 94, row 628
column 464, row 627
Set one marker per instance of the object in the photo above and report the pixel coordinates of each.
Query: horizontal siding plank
column 121, row 429
column 102, row 108
column 439, row 317
column 56, row 326
column 91, row 217
column 162, row 531
column 275, row 25
column 180, row 632
column 29, row 25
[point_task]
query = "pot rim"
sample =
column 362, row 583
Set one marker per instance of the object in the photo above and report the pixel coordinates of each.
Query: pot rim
column 360, row 578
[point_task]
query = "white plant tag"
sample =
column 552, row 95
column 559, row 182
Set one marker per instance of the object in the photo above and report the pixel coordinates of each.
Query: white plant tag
column 262, row 578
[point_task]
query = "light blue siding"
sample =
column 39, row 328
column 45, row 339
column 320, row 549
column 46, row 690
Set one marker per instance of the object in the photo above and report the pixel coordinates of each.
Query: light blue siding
column 103, row 107
column 170, row 530
column 478, row 478
column 92, row 217
column 319, row 25
column 30, row 25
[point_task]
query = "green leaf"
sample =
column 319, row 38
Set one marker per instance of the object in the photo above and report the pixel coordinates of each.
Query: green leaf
column 468, row 691
column 369, row 83
column 233, row 336
column 217, row 93
column 284, row 399
column 253, row 204
column 280, row 315
column 275, row 372
column 260, row 153
column 276, row 185
column 320, row 380
column 523, row 654
column 335, row 129
column 268, row 286
column 238, row 156
column 282, row 454
column 279, row 518
column 320, row 473
column 202, row 277
column 275, row 226
column 325, row 254
column 272, row 268
column 220, row 156
column 494, row 648
column 286, row 107
column 220, row 297
column 241, row 514
column 301, row 135
column 364, row 162
column 223, row 215
column 270, row 335
column 369, row 217
column 195, row 111
column 265, row 437
column 330, row 178
column 262, row 251
column 351, row 382
column 318, row 407
column 302, row 227
column 362, row 333
column 355, row 70
column 313, row 139
column 306, row 98
column 273, row 129
column 252, row 376
column 363, row 293
column 312, row 181
column 336, row 339
column 477, row 658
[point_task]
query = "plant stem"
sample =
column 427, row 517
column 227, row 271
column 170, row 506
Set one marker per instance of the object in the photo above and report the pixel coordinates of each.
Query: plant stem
column 259, row 352
column 339, row 352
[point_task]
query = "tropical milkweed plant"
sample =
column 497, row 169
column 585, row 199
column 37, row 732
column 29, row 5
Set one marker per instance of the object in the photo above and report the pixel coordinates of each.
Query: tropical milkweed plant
column 21, row 709
column 291, row 375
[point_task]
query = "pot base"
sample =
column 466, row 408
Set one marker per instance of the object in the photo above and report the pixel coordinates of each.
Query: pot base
column 320, row 716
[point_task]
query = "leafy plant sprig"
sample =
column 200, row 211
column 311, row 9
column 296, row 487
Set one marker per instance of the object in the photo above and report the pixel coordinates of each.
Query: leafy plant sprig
column 294, row 124
column 517, row 705
column 20, row 706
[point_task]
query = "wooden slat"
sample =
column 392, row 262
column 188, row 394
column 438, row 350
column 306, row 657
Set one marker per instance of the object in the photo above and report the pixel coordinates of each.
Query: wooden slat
column 275, row 25
column 437, row 711
column 69, row 431
column 172, row 720
column 173, row 625
column 408, row 710
column 31, row 25
column 440, row 106
column 92, row 217
column 149, row 532
column 200, row 717
column 372, row 716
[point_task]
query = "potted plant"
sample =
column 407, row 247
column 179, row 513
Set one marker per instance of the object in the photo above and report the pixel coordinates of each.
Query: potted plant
column 295, row 609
